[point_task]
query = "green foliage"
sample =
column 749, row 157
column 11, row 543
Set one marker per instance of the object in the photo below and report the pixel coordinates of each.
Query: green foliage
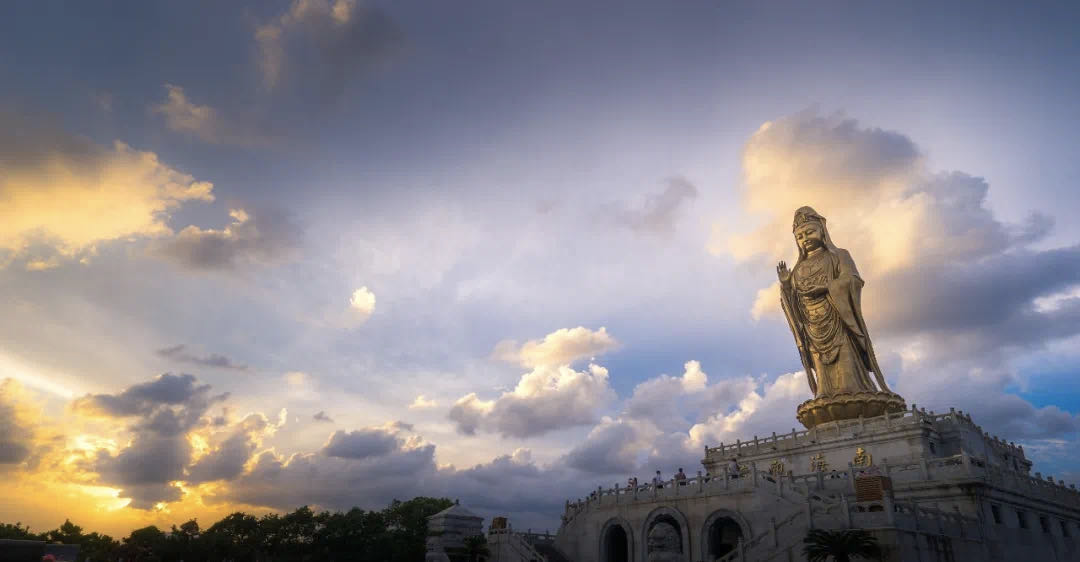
column 843, row 545
column 394, row 534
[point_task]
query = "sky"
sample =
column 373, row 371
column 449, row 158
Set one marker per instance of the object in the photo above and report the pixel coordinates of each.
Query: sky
column 260, row 255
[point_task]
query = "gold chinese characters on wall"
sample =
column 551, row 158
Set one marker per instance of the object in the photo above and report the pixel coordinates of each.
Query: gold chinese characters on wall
column 818, row 463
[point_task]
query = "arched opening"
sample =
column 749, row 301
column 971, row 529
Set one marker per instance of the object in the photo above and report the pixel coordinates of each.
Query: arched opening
column 616, row 545
column 664, row 539
column 724, row 535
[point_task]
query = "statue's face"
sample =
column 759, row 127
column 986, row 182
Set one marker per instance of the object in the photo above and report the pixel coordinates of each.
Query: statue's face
column 808, row 237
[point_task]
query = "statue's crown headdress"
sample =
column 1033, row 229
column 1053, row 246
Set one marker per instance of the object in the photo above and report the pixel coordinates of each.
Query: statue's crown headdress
column 804, row 215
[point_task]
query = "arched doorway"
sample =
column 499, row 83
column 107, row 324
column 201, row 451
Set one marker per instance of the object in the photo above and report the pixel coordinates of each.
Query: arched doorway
column 616, row 544
column 723, row 536
column 664, row 539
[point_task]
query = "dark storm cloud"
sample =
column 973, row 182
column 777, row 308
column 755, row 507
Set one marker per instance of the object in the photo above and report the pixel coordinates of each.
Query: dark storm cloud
column 990, row 302
column 164, row 410
column 15, row 437
column 659, row 213
column 149, row 398
column 361, row 444
column 145, row 469
column 263, row 238
column 321, row 416
column 226, row 460
column 334, row 482
column 180, row 354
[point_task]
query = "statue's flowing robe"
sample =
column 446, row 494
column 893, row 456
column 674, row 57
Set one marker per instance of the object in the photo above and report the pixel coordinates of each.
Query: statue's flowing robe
column 849, row 355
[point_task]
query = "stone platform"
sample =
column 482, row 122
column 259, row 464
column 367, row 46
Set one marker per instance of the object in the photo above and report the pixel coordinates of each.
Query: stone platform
column 946, row 490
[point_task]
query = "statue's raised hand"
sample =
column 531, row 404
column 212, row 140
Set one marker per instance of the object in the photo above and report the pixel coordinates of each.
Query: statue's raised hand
column 783, row 273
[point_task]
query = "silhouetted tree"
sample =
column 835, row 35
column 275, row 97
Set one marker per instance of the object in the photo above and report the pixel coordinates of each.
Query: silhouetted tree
column 18, row 531
column 396, row 533
column 476, row 548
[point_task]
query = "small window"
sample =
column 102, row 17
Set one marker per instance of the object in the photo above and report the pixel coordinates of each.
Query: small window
column 996, row 512
column 1044, row 522
column 1064, row 529
column 1021, row 518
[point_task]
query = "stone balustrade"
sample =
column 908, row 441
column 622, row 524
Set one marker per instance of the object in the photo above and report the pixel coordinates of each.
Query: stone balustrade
column 914, row 416
column 821, row 485
column 695, row 486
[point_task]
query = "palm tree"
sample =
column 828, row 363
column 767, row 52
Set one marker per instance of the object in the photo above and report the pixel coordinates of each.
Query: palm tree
column 476, row 547
column 841, row 545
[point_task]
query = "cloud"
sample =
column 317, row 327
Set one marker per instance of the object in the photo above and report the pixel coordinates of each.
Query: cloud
column 162, row 412
column 552, row 396
column 422, row 402
column 202, row 121
column 361, row 444
column 297, row 378
column 660, row 211
column 20, row 427
column 321, row 416
column 668, row 420
column 334, row 482
column 324, row 45
column 265, row 238
column 61, row 196
column 180, row 354
column 362, row 304
column 225, row 459
column 561, row 347
column 545, row 399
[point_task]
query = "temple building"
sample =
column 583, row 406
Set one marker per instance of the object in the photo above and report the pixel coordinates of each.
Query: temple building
column 929, row 487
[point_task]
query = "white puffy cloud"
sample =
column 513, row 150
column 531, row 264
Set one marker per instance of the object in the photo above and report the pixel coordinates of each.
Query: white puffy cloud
column 561, row 347
column 362, row 303
column 422, row 402
column 544, row 400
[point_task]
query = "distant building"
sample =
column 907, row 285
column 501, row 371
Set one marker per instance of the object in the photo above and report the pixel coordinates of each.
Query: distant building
column 448, row 529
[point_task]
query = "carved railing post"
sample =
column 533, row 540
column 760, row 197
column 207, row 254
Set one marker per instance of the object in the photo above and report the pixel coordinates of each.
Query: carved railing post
column 809, row 513
column 727, row 478
column 890, row 509
column 616, row 493
column 700, row 482
column 753, row 469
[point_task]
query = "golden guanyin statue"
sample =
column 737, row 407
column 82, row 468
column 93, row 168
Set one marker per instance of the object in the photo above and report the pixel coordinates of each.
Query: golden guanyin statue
column 821, row 299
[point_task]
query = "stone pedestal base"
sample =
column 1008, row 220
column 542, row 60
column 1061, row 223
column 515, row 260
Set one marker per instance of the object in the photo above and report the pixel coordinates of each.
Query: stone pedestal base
column 848, row 405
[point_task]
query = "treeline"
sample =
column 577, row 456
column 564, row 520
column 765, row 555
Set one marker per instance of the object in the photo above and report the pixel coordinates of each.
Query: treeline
column 396, row 533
